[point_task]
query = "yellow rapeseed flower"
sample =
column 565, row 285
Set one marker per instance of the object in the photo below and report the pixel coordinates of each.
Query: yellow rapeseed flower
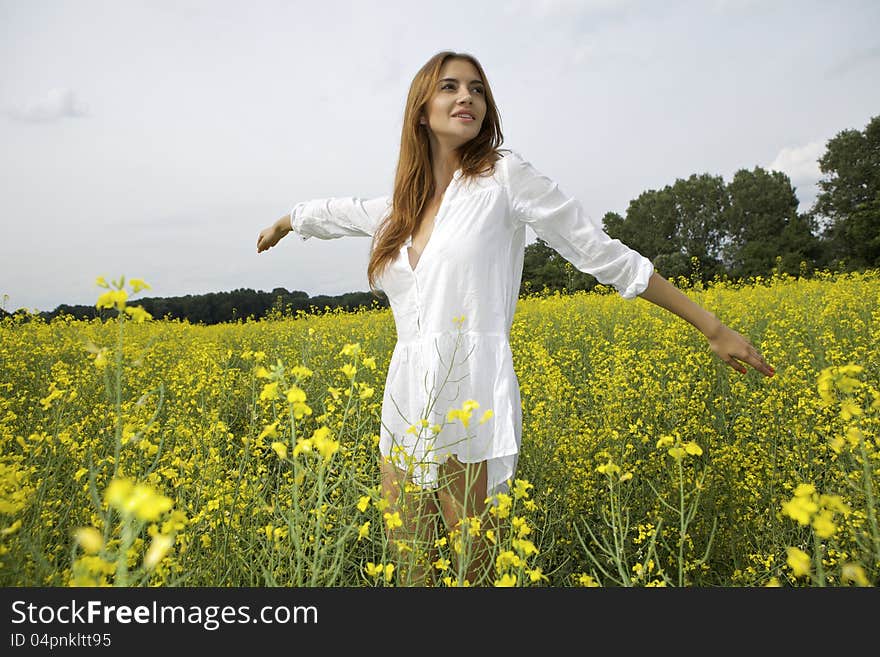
column 138, row 284
column 140, row 500
column 393, row 520
column 270, row 391
column 521, row 489
column 364, row 530
column 351, row 349
column 295, row 394
column 693, row 449
column 138, row 314
column 112, row 298
column 854, row 573
column 90, row 539
column 507, row 579
column 363, row 503
column 280, row 449
column 157, row 550
column 798, row 561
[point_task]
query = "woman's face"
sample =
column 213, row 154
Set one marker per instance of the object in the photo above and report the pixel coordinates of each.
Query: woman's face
column 459, row 90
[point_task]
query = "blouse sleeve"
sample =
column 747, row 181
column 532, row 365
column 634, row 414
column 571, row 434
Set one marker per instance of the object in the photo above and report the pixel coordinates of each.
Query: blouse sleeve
column 559, row 220
column 331, row 218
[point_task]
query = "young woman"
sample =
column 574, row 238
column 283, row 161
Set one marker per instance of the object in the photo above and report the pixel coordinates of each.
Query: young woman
column 447, row 249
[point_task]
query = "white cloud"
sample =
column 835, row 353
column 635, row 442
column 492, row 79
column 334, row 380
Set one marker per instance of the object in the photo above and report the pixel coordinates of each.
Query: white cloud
column 58, row 104
column 801, row 165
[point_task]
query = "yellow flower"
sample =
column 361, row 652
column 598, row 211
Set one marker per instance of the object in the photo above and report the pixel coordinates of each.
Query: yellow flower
column 853, row 572
column 295, row 394
column 269, row 431
column 90, row 539
column 677, row 453
column 823, row 524
column 138, row 499
column 14, row 527
column 138, row 314
column 393, row 520
column 349, row 370
column 608, row 468
column 112, row 298
column 506, row 580
column 280, row 449
column 507, row 559
column 389, row 572
column 363, row 503
column 800, row 508
column 138, row 284
column 441, row 564
column 270, row 391
column 470, row 405
column 158, row 548
column 351, row 349
column 804, row 490
column 364, row 530
column 301, row 372
column 799, row 561
column 587, row 580
column 665, row 441
column 374, row 570
column 521, row 489
column 101, row 282
column 325, row 445
column 524, row 546
column 693, row 449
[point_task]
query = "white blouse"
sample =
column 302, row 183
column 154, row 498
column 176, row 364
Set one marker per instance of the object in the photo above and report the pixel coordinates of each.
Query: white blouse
column 470, row 267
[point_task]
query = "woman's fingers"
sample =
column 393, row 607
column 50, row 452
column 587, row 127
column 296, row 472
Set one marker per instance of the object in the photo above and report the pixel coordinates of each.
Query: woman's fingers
column 735, row 350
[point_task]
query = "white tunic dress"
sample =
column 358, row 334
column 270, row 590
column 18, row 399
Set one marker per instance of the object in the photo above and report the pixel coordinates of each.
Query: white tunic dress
column 470, row 267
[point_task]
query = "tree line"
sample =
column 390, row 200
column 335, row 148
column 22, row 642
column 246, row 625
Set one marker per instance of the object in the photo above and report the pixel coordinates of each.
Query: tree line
column 699, row 229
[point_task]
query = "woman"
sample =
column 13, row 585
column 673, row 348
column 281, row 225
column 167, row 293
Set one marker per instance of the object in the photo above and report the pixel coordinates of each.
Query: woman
column 447, row 250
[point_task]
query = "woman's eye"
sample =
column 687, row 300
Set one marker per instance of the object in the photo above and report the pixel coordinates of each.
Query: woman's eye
column 449, row 85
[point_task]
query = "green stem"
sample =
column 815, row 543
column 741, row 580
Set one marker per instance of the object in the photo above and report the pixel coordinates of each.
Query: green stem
column 117, row 449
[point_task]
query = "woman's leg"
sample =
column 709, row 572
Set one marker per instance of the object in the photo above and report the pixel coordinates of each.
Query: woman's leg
column 412, row 544
column 462, row 495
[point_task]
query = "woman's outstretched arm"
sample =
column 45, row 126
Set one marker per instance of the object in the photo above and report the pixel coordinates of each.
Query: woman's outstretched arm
column 729, row 345
column 271, row 235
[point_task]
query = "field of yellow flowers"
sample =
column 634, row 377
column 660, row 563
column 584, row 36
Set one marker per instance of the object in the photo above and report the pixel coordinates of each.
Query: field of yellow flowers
column 141, row 451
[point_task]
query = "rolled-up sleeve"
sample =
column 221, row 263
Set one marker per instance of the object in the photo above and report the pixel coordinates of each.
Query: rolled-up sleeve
column 559, row 220
column 331, row 218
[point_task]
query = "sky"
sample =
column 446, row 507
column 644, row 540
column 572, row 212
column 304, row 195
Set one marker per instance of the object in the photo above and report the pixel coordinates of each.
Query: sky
column 156, row 139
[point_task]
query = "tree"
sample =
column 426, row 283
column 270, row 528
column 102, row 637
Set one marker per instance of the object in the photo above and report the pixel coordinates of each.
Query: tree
column 763, row 223
column 849, row 201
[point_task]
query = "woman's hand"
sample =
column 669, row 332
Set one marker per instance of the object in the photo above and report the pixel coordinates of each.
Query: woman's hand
column 732, row 347
column 270, row 236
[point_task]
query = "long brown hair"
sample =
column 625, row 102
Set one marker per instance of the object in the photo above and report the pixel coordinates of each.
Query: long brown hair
column 414, row 179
